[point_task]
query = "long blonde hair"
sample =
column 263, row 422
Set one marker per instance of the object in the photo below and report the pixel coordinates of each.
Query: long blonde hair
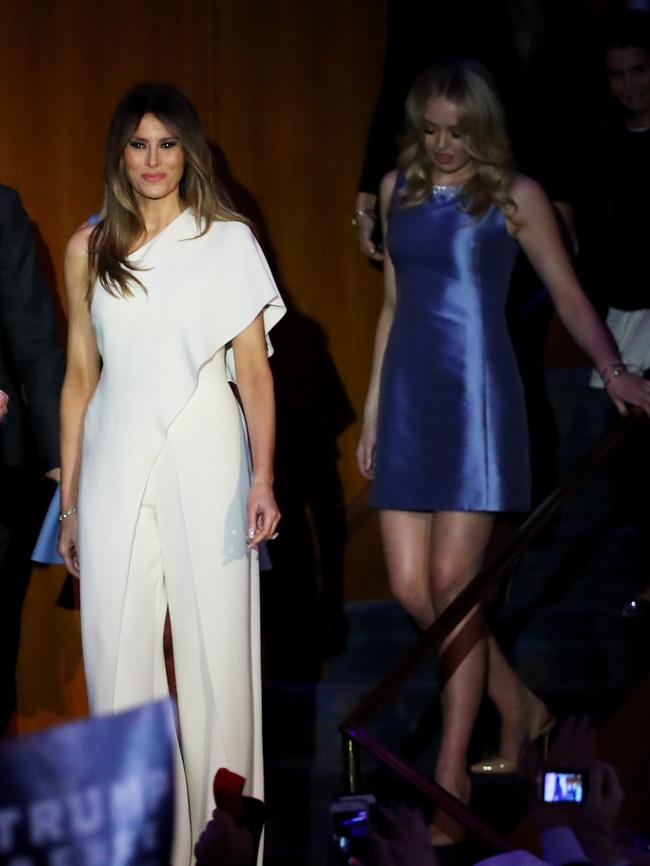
column 482, row 124
column 121, row 225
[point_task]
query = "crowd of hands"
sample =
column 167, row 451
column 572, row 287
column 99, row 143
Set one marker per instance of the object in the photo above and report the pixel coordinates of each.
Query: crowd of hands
column 408, row 834
column 405, row 838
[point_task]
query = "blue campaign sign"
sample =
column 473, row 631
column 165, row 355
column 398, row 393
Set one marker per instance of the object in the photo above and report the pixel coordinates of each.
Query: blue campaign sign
column 98, row 792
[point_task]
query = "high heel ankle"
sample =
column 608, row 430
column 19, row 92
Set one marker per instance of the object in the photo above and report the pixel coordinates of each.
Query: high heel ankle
column 501, row 766
column 543, row 734
column 445, row 830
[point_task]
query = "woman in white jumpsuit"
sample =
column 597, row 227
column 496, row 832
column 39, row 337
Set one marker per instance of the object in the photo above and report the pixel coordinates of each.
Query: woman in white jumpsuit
column 168, row 296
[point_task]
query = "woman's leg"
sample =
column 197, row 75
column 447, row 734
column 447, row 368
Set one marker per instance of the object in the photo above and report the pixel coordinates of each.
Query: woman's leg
column 430, row 558
column 457, row 548
column 522, row 713
column 406, row 539
column 140, row 672
column 196, row 711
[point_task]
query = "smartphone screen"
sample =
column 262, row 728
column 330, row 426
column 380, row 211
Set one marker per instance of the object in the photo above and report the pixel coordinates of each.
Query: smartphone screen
column 352, row 819
column 351, row 824
column 563, row 787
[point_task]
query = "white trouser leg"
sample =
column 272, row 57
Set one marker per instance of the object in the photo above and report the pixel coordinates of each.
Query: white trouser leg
column 198, row 719
column 141, row 674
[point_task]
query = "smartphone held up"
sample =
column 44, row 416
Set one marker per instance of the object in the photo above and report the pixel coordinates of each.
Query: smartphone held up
column 352, row 819
column 563, row 786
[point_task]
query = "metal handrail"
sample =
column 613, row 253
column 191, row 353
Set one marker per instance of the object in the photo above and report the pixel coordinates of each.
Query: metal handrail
column 476, row 590
column 439, row 795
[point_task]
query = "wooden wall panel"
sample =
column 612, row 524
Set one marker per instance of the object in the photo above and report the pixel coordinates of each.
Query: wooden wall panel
column 286, row 88
column 62, row 69
column 294, row 86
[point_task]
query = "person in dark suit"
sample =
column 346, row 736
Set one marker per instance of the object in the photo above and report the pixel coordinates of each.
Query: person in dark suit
column 31, row 374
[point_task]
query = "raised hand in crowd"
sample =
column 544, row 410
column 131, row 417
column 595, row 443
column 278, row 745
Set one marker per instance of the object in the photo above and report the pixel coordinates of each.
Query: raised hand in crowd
column 572, row 748
column 599, row 814
column 407, row 841
column 223, row 843
column 574, row 745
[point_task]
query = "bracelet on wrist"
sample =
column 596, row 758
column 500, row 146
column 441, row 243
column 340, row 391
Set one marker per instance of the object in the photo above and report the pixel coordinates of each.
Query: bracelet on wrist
column 63, row 514
column 607, row 374
column 362, row 211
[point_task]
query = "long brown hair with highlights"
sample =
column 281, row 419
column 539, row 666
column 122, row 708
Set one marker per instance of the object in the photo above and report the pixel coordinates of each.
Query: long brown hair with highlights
column 113, row 237
column 482, row 124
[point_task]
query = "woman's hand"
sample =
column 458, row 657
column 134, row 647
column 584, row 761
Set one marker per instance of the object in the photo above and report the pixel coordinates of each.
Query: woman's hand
column 365, row 218
column 366, row 449
column 263, row 513
column 631, row 389
column 68, row 544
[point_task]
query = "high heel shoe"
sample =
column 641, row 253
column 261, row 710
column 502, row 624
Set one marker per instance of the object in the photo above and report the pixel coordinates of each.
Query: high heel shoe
column 445, row 830
column 501, row 766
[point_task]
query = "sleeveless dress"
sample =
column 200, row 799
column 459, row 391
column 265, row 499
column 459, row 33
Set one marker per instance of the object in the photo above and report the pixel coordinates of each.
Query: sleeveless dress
column 452, row 432
column 163, row 400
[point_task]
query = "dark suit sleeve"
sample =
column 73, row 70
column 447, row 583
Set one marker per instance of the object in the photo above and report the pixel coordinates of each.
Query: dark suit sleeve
column 28, row 326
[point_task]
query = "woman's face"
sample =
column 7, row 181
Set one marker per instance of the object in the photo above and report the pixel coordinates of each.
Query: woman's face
column 444, row 142
column 154, row 160
column 628, row 70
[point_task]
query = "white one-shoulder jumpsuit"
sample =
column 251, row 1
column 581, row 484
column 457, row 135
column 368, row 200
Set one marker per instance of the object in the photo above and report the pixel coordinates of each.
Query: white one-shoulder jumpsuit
column 162, row 505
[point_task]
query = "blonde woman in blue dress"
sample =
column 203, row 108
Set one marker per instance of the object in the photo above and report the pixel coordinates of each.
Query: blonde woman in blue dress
column 444, row 436
column 169, row 297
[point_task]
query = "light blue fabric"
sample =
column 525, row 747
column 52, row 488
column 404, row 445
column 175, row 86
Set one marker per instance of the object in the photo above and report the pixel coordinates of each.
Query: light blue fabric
column 452, row 433
column 45, row 548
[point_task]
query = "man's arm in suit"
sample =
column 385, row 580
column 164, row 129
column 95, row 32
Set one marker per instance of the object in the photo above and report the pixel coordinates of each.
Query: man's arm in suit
column 28, row 326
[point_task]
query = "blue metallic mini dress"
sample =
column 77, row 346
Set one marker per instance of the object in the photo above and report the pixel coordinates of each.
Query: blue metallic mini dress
column 452, row 432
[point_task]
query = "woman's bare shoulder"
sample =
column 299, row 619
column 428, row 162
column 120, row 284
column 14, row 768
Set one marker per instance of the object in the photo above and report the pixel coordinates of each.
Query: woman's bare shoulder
column 75, row 265
column 526, row 191
column 386, row 189
column 77, row 246
column 388, row 182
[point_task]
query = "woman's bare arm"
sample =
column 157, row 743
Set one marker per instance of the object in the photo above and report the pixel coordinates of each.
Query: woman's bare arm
column 82, row 375
column 255, row 384
column 537, row 231
column 366, row 446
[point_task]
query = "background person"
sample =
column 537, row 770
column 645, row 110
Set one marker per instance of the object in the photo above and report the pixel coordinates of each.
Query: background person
column 614, row 221
column 31, row 373
column 614, row 226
